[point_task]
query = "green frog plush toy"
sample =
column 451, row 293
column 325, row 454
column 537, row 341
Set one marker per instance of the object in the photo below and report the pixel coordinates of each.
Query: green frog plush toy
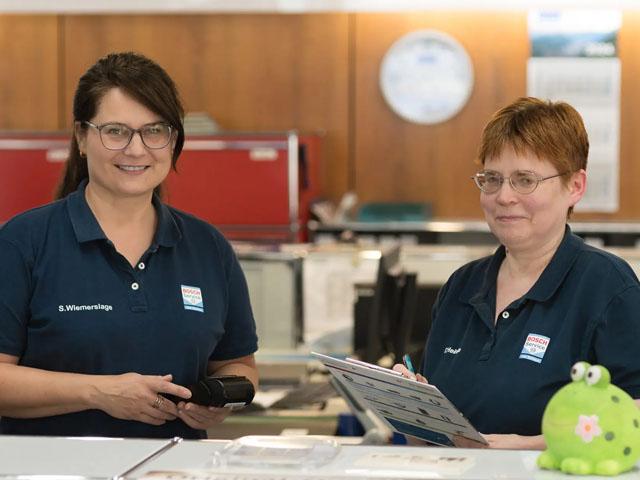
column 590, row 426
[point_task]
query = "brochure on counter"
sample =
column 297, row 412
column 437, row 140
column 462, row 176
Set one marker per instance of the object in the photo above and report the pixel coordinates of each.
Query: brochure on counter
column 407, row 406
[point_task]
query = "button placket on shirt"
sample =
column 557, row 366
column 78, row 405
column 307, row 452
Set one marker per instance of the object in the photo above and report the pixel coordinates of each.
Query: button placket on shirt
column 487, row 348
column 133, row 278
column 137, row 296
column 485, row 353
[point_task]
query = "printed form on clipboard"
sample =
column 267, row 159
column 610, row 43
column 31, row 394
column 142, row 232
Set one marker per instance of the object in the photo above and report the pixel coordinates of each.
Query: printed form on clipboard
column 407, row 406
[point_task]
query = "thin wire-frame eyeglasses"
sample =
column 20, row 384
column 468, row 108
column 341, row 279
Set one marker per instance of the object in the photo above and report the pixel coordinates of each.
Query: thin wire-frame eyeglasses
column 117, row 136
column 522, row 181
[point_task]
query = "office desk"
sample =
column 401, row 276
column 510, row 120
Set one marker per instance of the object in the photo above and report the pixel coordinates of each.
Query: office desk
column 462, row 232
column 311, row 421
column 273, row 422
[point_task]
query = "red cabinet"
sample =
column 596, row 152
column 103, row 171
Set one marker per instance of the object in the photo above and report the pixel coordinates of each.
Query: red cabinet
column 30, row 168
column 252, row 186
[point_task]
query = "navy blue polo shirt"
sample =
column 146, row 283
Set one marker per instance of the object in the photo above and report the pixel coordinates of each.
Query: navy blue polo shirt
column 584, row 306
column 69, row 302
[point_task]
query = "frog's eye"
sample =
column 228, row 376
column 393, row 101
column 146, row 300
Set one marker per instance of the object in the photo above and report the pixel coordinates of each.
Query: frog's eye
column 593, row 376
column 598, row 376
column 578, row 371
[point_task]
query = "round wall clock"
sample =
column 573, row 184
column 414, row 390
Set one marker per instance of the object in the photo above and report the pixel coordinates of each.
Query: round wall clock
column 426, row 77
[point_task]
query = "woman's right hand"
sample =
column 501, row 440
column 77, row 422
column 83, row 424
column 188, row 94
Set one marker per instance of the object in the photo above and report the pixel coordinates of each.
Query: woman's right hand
column 398, row 367
column 132, row 396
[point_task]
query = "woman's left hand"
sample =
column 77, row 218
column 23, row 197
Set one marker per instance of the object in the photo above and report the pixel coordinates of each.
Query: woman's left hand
column 504, row 441
column 200, row 417
column 203, row 418
column 516, row 442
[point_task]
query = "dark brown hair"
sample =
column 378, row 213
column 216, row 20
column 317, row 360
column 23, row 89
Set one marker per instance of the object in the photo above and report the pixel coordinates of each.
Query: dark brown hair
column 140, row 78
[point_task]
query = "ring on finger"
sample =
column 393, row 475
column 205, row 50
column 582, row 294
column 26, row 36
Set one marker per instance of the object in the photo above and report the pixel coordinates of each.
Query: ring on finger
column 158, row 401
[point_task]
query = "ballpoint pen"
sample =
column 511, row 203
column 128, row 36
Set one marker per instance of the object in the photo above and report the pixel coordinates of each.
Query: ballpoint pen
column 406, row 360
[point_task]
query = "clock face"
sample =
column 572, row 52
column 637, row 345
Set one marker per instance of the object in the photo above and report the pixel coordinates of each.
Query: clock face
column 426, row 77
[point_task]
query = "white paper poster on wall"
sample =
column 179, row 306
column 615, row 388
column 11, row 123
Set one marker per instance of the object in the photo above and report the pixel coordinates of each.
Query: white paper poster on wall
column 574, row 59
column 329, row 295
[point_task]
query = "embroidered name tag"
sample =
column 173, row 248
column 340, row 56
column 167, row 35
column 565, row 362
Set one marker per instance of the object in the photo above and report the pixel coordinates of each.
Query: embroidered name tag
column 535, row 347
column 192, row 298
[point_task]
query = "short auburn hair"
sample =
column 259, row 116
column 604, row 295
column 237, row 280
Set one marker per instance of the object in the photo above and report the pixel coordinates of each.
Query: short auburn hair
column 552, row 131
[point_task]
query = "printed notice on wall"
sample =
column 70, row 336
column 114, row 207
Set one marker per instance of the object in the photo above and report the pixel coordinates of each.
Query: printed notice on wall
column 329, row 295
column 574, row 59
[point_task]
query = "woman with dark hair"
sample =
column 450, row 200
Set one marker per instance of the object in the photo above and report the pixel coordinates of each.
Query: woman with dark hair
column 508, row 328
column 111, row 301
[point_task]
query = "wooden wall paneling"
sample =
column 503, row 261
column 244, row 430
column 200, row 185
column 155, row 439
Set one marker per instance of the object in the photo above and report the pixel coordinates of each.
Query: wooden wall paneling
column 265, row 72
column 396, row 160
column 29, row 72
column 250, row 72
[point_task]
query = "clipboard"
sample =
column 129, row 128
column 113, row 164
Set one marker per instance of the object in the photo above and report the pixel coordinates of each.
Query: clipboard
column 406, row 406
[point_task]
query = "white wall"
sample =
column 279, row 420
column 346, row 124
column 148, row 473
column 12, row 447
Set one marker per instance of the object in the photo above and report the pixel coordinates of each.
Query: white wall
column 295, row 6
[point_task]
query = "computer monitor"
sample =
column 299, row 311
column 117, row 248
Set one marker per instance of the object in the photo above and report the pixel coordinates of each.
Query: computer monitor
column 403, row 337
column 388, row 326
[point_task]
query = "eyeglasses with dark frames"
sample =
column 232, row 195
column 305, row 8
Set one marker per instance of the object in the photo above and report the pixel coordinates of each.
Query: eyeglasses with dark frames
column 522, row 181
column 117, row 136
